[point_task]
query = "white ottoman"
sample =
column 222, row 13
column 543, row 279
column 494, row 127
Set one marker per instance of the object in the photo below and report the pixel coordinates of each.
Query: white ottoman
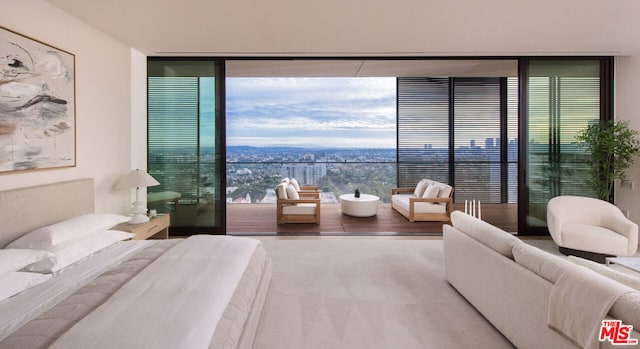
column 364, row 206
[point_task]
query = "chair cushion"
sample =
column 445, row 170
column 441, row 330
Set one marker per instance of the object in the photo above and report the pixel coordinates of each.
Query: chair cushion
column 281, row 191
column 299, row 209
column 292, row 193
column 592, row 238
column 295, row 184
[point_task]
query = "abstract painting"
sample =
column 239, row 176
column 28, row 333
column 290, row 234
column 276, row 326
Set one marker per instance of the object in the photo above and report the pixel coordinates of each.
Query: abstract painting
column 37, row 104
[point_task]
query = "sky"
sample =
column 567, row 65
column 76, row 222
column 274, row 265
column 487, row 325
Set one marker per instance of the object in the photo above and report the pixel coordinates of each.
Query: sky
column 311, row 112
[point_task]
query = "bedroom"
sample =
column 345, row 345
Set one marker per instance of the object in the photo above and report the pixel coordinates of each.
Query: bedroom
column 111, row 78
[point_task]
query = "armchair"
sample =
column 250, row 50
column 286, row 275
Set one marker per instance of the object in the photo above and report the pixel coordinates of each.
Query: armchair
column 292, row 208
column 590, row 228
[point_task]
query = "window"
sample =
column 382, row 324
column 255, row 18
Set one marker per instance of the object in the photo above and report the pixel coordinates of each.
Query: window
column 457, row 130
column 563, row 97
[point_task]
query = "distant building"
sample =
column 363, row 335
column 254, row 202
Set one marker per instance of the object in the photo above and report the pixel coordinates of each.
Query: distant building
column 305, row 173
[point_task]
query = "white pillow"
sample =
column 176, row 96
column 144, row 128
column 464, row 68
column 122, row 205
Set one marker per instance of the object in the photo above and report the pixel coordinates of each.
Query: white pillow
column 420, row 187
column 15, row 282
column 295, row 184
column 431, row 192
column 16, row 259
column 73, row 251
column 48, row 236
column 292, row 193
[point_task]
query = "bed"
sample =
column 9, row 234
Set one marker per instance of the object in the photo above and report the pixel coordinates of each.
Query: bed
column 199, row 292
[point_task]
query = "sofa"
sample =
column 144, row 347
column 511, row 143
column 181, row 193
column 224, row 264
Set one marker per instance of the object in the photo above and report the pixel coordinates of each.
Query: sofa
column 428, row 201
column 524, row 291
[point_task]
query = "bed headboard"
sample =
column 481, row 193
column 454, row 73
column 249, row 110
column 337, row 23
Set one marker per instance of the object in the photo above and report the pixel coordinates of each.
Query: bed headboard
column 25, row 209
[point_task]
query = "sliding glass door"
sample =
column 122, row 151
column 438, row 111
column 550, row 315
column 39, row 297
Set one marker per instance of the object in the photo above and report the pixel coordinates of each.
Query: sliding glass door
column 184, row 143
column 561, row 97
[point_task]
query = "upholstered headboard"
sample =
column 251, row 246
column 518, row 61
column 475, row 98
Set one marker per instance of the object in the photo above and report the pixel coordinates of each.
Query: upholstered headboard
column 24, row 209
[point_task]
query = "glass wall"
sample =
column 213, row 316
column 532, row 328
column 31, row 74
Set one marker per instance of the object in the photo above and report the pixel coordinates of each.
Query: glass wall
column 184, row 149
column 461, row 131
column 563, row 97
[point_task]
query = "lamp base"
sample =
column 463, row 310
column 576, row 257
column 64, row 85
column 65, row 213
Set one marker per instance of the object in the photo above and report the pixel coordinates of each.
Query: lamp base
column 138, row 218
column 138, row 213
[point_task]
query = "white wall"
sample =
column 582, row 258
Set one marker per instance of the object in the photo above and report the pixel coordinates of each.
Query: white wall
column 627, row 107
column 102, row 100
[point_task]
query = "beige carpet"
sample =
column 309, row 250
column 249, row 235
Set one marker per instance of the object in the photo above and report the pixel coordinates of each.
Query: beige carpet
column 373, row 292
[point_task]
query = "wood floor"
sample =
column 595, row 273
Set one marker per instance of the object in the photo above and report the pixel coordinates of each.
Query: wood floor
column 254, row 219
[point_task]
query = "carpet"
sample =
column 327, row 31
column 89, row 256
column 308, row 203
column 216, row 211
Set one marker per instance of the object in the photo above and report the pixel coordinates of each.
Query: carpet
column 373, row 292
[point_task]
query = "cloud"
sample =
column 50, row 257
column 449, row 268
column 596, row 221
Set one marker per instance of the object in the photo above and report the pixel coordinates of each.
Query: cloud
column 307, row 111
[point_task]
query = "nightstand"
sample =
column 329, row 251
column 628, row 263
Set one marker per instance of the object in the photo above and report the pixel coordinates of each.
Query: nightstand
column 156, row 228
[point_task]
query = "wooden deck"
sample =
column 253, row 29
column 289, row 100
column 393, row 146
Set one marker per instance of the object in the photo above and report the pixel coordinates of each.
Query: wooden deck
column 261, row 219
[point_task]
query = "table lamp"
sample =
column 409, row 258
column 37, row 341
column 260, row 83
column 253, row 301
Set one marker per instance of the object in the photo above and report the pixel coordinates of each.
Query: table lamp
column 136, row 179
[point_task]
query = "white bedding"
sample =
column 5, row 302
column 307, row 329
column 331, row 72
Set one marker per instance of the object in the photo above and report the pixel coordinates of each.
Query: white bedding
column 136, row 318
column 38, row 299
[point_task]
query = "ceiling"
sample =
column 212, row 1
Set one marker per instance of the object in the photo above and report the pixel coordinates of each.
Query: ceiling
column 364, row 28
column 370, row 29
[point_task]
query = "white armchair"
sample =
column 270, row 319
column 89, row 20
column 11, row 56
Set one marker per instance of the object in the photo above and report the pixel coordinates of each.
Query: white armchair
column 591, row 225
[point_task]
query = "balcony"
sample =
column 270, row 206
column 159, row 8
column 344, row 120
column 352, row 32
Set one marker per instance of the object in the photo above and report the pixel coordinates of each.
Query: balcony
column 251, row 219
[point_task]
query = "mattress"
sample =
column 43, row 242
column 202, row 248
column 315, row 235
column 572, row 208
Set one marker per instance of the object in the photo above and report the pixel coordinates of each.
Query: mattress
column 85, row 310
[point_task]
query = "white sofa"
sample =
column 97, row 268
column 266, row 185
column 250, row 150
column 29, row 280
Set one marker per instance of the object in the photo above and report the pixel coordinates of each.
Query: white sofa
column 511, row 283
column 428, row 201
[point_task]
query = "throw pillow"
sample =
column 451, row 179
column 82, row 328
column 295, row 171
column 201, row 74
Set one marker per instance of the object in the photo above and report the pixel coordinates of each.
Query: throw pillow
column 431, row 192
column 292, row 193
column 420, row 188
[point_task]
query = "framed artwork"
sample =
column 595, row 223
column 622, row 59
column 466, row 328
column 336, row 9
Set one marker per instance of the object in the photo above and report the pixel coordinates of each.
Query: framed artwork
column 37, row 104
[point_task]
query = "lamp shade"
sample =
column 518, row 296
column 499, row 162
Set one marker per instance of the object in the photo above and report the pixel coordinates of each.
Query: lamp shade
column 136, row 179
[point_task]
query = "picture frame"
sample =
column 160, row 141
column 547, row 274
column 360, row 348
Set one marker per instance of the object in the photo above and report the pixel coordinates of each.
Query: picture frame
column 37, row 105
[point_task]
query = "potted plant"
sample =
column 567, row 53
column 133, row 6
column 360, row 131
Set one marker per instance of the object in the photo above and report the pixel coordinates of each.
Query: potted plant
column 613, row 146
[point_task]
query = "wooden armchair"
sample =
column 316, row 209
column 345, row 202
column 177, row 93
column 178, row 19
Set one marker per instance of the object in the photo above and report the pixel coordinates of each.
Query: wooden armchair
column 293, row 208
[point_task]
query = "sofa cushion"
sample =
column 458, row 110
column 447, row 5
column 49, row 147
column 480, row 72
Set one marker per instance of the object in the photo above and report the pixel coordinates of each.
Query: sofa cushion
column 627, row 307
column 445, row 190
column 431, row 192
column 402, row 200
column 487, row 234
column 421, row 187
column 540, row 262
column 629, row 280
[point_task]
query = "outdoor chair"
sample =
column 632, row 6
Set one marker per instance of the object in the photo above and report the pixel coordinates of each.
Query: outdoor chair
column 292, row 208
